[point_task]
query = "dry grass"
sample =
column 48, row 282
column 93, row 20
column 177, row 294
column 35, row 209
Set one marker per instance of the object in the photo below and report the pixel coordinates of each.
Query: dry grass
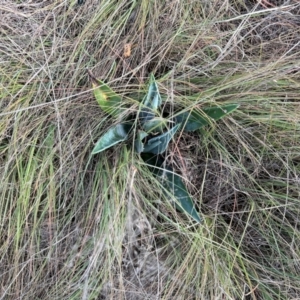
column 80, row 227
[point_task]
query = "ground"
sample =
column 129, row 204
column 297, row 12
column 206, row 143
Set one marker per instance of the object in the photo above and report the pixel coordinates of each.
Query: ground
column 77, row 226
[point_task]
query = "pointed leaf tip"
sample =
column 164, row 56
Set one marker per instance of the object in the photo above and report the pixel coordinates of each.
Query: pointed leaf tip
column 173, row 184
column 217, row 113
column 153, row 99
column 108, row 100
column 193, row 120
column 113, row 136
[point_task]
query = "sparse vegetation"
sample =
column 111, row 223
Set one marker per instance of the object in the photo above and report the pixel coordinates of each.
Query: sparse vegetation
column 77, row 226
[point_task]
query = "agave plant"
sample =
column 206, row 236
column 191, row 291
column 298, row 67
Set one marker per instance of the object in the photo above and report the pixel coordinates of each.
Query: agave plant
column 150, row 135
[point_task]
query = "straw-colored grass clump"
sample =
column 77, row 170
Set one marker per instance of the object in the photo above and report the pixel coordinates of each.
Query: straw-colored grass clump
column 75, row 226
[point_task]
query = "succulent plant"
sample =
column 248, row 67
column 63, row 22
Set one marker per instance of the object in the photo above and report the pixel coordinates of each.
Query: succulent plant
column 151, row 134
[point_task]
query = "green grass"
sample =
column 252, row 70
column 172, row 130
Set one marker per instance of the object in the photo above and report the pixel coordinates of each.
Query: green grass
column 76, row 226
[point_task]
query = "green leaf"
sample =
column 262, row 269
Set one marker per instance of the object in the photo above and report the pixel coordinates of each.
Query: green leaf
column 145, row 115
column 159, row 144
column 217, row 113
column 153, row 147
column 109, row 101
column 151, row 102
column 190, row 120
column 193, row 120
column 138, row 144
column 156, row 124
column 113, row 136
column 153, row 98
column 173, row 184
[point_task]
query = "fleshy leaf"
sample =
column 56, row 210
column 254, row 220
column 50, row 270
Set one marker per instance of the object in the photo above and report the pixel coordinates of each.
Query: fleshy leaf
column 153, row 98
column 217, row 113
column 193, row 120
column 173, row 184
column 108, row 100
column 113, row 136
column 145, row 115
column 156, row 124
column 159, row 144
column 152, row 148
column 138, row 144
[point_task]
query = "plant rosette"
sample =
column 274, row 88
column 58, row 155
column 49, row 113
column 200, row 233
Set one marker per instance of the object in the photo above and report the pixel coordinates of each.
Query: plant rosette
column 151, row 134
